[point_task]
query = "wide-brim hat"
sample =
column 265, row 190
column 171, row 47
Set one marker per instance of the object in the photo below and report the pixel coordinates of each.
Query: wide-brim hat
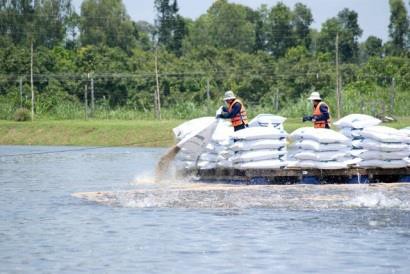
column 229, row 95
column 315, row 96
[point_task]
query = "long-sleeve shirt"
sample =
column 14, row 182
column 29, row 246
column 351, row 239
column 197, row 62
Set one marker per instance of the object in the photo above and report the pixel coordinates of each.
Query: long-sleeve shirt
column 236, row 108
column 324, row 109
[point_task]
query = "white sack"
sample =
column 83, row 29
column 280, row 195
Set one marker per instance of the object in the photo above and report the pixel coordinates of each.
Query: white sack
column 321, row 165
column 223, row 133
column 224, row 164
column 258, row 155
column 320, row 156
column 206, row 165
column 258, row 144
column 370, row 144
column 255, row 133
column 321, row 135
column 385, row 134
column 209, row 157
column 316, row 146
column 351, row 132
column 380, row 155
column 266, row 164
column 383, row 164
column 183, row 130
column 357, row 121
column 267, row 120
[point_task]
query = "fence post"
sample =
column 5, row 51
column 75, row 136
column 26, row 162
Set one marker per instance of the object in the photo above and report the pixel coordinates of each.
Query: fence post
column 21, row 91
column 85, row 102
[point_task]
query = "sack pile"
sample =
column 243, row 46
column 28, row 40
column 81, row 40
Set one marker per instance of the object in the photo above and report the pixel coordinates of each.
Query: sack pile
column 382, row 147
column 259, row 148
column 217, row 152
column 351, row 126
column 318, row 148
column 407, row 132
column 268, row 120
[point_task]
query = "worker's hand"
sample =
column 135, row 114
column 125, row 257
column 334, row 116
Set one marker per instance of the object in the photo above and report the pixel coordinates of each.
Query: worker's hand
column 307, row 118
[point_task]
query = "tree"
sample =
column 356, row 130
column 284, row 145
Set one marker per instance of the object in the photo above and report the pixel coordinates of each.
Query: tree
column 302, row 19
column 373, row 47
column 280, row 30
column 106, row 22
column 346, row 26
column 398, row 27
column 43, row 22
column 171, row 27
column 261, row 38
column 230, row 26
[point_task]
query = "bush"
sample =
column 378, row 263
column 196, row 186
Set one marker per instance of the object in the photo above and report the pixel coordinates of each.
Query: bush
column 22, row 114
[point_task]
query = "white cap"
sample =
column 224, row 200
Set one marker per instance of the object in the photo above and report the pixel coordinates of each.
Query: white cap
column 229, row 95
column 315, row 96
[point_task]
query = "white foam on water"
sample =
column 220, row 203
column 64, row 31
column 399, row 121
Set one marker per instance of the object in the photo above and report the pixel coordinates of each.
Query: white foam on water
column 377, row 200
column 197, row 195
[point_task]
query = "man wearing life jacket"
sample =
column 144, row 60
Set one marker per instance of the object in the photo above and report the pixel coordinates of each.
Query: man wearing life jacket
column 235, row 111
column 321, row 114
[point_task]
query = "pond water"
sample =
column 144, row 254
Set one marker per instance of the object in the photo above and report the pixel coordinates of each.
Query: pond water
column 136, row 226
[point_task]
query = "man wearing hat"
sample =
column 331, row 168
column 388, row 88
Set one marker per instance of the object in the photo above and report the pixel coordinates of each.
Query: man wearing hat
column 321, row 115
column 235, row 111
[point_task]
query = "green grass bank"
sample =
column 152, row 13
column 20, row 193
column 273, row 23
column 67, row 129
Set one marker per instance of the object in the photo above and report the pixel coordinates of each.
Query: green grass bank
column 143, row 133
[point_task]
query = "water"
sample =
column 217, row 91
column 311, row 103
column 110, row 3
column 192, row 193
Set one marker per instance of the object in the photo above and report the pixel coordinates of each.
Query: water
column 136, row 226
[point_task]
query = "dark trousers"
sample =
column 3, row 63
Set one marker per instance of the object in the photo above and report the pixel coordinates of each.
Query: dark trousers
column 240, row 127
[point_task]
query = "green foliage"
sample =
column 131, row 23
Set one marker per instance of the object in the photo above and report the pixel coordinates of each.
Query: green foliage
column 22, row 114
column 347, row 27
column 398, row 27
column 106, row 22
column 271, row 57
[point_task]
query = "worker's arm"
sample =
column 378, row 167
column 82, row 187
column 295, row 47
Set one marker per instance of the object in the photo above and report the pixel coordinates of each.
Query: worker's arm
column 235, row 110
column 325, row 114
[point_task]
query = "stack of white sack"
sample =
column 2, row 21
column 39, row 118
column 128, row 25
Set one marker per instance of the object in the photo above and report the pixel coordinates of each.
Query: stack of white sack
column 268, row 120
column 259, row 148
column 382, row 147
column 217, row 151
column 318, row 148
column 406, row 130
column 351, row 126
column 186, row 158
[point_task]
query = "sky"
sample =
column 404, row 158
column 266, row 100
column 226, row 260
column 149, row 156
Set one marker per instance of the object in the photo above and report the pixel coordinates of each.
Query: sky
column 373, row 14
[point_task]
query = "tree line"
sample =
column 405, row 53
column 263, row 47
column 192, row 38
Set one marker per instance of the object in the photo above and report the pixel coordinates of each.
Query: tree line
column 271, row 56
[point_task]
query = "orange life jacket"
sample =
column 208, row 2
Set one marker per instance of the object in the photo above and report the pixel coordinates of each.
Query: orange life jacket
column 241, row 117
column 317, row 112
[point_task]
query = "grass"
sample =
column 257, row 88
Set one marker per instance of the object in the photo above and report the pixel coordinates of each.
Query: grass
column 147, row 133
column 91, row 132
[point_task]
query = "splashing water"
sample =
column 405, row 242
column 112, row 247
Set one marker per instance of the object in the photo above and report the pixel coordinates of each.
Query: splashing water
column 197, row 195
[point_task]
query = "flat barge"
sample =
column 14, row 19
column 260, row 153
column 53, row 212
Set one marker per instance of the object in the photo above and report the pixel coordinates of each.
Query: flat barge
column 301, row 176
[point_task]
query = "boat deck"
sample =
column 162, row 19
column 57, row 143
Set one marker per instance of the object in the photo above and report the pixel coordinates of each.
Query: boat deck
column 306, row 176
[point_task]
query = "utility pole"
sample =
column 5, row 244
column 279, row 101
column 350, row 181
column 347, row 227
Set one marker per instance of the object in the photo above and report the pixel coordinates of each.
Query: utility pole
column 157, row 97
column 31, row 81
column 337, row 77
column 21, row 91
column 277, row 100
column 392, row 95
column 208, row 96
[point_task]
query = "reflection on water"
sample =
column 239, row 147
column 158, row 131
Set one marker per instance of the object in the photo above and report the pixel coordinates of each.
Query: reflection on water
column 123, row 222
